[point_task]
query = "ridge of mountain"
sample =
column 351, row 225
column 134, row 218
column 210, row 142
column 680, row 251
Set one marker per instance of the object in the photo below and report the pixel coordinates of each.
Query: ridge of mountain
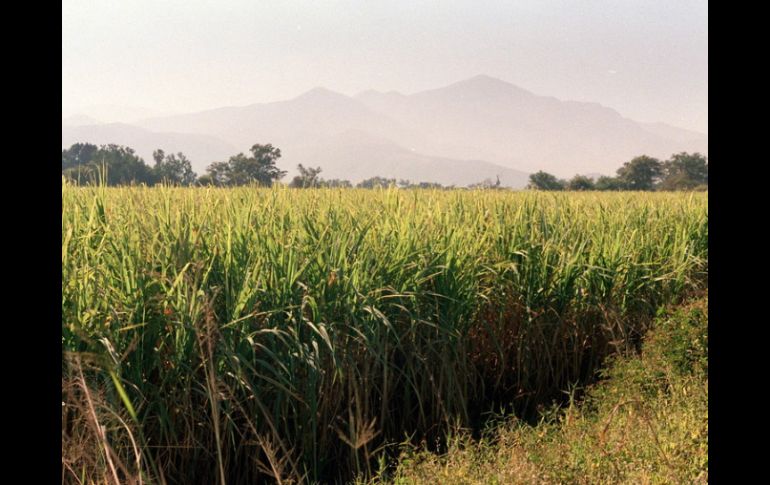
column 481, row 118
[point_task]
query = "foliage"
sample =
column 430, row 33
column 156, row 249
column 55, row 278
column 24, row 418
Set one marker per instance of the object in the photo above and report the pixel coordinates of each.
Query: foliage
column 486, row 184
column 118, row 165
column 545, row 181
column 641, row 173
column 173, row 169
column 307, row 178
column 258, row 169
column 685, row 171
column 273, row 331
column 377, row 183
column 580, row 182
column 609, row 183
column 337, row 184
column 109, row 164
column 78, row 154
column 647, row 422
column 406, row 184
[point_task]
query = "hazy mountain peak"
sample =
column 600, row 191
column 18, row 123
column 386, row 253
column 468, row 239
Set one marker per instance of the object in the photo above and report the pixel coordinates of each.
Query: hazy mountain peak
column 482, row 81
column 479, row 87
column 453, row 128
column 322, row 93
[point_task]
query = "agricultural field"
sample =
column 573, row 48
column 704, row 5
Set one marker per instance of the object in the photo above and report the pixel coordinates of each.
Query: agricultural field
column 645, row 421
column 230, row 335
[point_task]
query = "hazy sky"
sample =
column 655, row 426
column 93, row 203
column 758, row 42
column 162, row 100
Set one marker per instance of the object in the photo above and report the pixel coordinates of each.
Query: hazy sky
column 648, row 59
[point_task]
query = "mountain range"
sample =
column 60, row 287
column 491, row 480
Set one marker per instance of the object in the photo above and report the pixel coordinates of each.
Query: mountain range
column 476, row 129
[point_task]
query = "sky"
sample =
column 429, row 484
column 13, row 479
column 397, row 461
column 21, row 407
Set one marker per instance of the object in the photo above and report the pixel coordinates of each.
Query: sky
column 648, row 59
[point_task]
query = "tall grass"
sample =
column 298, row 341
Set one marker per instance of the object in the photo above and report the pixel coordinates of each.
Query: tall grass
column 646, row 422
column 221, row 335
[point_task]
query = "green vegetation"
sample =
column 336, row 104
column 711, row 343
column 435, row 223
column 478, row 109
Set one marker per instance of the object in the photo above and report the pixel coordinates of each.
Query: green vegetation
column 683, row 171
column 647, row 422
column 258, row 169
column 307, row 179
column 686, row 171
column 545, row 181
column 214, row 334
column 112, row 165
column 581, row 182
column 173, row 169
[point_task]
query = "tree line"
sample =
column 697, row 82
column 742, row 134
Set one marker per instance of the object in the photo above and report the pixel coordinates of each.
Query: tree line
column 683, row 171
column 119, row 165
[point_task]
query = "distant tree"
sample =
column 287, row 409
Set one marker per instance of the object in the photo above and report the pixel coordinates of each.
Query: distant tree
column 609, row 183
column 112, row 164
column 308, row 177
column 205, row 180
column 545, row 181
column 430, row 185
column 242, row 170
column 580, row 182
column 641, row 173
column 406, row 184
column 486, row 184
column 77, row 155
column 685, row 171
column 173, row 169
column 124, row 166
column 158, row 156
column 376, row 182
column 217, row 174
column 336, row 184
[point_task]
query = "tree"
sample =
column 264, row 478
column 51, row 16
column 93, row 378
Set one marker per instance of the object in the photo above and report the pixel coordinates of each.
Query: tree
column 486, row 184
column 641, row 173
column 685, row 171
column 77, row 154
column 430, row 185
column 158, row 155
column 580, row 182
column 406, row 184
column 173, row 169
column 112, row 164
column 242, row 170
column 337, row 183
column 123, row 165
column 608, row 183
column 262, row 165
column 376, row 182
column 217, row 174
column 308, row 177
column 205, row 180
column 545, row 181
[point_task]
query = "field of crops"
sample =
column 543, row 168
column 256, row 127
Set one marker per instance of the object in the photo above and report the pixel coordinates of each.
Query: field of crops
column 214, row 335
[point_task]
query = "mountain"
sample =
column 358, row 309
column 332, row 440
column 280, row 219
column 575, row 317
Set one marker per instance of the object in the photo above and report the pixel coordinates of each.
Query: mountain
column 462, row 133
column 200, row 149
column 339, row 134
column 316, row 113
column 484, row 117
column 673, row 133
column 340, row 156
